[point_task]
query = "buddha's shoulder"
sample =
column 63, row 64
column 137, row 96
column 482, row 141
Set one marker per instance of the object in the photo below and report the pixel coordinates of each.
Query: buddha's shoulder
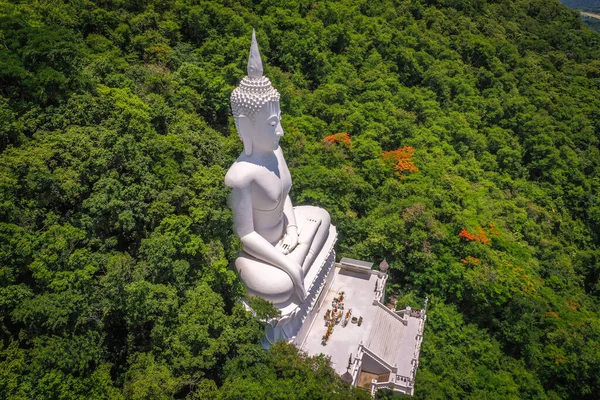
column 241, row 174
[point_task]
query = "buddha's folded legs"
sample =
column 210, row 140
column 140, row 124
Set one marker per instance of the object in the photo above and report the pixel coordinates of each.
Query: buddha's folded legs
column 313, row 228
column 273, row 284
column 264, row 280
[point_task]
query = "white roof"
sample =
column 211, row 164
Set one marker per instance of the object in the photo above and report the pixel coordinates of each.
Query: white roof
column 392, row 341
column 386, row 335
column 356, row 263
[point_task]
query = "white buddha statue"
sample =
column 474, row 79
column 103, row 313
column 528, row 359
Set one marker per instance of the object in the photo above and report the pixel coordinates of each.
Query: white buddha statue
column 279, row 241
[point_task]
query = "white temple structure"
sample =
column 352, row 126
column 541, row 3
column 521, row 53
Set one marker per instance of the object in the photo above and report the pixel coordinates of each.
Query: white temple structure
column 288, row 258
column 380, row 353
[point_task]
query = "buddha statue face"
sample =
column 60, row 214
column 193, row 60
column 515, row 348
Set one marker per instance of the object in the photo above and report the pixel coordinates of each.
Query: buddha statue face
column 261, row 134
column 255, row 107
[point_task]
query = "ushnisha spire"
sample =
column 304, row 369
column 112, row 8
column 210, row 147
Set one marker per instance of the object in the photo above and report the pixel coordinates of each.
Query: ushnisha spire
column 255, row 89
column 255, row 67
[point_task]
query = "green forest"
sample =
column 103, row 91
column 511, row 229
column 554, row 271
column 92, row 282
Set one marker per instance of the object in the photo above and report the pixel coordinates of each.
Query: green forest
column 457, row 139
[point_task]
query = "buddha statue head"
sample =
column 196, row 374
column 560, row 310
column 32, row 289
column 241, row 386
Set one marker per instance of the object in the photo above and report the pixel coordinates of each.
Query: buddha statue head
column 255, row 107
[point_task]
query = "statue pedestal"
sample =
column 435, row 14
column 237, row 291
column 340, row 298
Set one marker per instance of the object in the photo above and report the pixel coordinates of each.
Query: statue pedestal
column 296, row 318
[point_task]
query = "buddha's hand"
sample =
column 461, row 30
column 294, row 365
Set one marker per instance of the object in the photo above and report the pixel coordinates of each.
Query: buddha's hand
column 290, row 240
column 294, row 270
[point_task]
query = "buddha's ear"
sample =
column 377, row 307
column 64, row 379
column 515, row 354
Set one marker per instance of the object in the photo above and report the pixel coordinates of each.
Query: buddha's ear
column 247, row 145
column 244, row 127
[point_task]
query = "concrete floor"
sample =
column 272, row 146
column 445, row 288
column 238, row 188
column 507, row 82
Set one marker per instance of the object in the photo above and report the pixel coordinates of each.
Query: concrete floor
column 408, row 345
column 359, row 294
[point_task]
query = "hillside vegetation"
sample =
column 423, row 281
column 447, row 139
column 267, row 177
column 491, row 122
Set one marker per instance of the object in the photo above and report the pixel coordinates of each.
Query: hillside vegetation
column 458, row 139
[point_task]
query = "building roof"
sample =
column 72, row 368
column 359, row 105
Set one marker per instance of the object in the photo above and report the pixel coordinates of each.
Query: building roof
column 386, row 335
column 347, row 377
column 356, row 263
column 393, row 341
column 384, row 266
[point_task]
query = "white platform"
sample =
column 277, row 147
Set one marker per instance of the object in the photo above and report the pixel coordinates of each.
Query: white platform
column 297, row 316
column 385, row 348
column 359, row 289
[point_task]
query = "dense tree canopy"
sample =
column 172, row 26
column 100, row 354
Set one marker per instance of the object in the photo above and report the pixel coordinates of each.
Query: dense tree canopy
column 458, row 139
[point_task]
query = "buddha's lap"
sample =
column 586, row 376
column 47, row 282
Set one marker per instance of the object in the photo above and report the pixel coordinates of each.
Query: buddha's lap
column 269, row 282
column 317, row 239
column 304, row 213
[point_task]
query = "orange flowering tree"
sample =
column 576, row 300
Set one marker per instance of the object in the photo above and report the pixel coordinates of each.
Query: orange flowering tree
column 481, row 235
column 402, row 160
column 342, row 138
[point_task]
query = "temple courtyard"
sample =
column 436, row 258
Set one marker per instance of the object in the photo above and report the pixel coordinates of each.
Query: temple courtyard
column 359, row 293
column 375, row 347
